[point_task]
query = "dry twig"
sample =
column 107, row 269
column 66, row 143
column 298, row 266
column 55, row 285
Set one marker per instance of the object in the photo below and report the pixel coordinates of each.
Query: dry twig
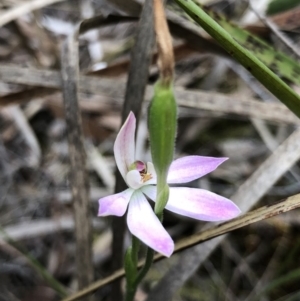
column 78, row 175
column 23, row 9
column 255, row 216
column 211, row 101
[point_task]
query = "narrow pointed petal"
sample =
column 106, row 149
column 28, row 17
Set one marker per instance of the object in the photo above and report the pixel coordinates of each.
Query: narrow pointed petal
column 190, row 168
column 144, row 224
column 115, row 204
column 201, row 204
column 124, row 145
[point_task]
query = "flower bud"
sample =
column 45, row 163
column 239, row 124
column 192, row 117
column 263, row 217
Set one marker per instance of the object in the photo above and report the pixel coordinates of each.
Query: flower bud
column 162, row 126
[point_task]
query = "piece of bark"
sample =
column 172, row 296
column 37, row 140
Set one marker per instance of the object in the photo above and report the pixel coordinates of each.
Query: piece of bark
column 78, row 175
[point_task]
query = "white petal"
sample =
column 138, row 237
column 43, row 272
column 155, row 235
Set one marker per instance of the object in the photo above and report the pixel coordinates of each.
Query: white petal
column 190, row 168
column 149, row 191
column 115, row 204
column 124, row 147
column 134, row 179
column 201, row 204
column 144, row 224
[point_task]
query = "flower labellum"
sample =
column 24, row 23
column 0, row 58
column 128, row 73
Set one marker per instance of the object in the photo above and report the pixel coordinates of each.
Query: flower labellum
column 141, row 180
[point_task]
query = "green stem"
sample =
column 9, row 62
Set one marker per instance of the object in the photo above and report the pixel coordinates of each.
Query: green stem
column 144, row 270
column 135, row 250
column 162, row 195
column 130, row 292
column 270, row 80
column 131, row 260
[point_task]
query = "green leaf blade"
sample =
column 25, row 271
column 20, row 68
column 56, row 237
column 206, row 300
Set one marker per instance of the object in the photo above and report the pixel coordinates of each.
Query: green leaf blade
column 270, row 80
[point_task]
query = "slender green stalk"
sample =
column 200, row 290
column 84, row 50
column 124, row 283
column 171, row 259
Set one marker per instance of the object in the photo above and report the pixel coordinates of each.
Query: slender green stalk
column 135, row 250
column 270, row 80
column 144, row 270
column 131, row 290
column 130, row 293
column 131, row 261
column 162, row 197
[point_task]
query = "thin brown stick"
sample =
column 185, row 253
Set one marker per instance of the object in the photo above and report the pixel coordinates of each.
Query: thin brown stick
column 247, row 219
column 164, row 43
column 78, row 175
column 217, row 102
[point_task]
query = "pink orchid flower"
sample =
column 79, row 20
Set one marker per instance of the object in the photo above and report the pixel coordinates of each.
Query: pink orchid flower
column 141, row 178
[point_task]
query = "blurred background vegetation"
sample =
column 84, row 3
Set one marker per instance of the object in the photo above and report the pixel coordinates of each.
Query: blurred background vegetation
column 223, row 111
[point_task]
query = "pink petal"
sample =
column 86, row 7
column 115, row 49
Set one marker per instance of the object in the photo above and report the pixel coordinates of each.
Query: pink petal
column 190, row 168
column 140, row 165
column 115, row 204
column 143, row 223
column 124, row 147
column 201, row 204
